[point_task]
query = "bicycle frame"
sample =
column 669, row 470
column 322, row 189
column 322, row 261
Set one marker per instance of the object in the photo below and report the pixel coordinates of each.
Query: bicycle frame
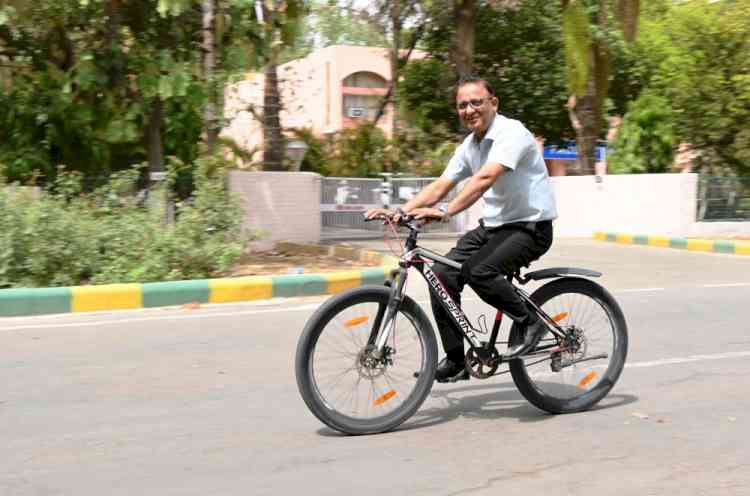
column 415, row 256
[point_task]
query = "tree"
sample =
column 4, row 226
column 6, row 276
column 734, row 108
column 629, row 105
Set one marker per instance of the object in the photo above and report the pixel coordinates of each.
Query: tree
column 645, row 140
column 338, row 23
column 589, row 28
column 282, row 21
column 462, row 53
column 101, row 85
column 518, row 49
column 695, row 56
column 208, row 8
column 391, row 16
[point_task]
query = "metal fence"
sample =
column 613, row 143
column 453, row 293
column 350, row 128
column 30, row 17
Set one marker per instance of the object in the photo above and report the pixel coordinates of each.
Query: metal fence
column 723, row 199
column 344, row 201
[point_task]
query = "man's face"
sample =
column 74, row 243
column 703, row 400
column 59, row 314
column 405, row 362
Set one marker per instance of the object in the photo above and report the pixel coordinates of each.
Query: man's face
column 476, row 107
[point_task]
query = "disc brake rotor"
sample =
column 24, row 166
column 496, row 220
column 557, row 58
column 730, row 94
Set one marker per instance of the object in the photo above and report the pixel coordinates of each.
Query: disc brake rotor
column 370, row 367
column 574, row 347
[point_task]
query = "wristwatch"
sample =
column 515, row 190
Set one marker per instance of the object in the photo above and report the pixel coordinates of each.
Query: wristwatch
column 446, row 215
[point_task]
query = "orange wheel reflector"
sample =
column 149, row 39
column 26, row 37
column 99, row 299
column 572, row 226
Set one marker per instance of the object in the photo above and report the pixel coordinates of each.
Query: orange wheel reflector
column 560, row 316
column 584, row 382
column 390, row 394
column 356, row 321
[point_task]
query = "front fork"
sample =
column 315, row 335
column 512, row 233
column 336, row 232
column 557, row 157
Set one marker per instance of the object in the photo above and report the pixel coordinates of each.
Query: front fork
column 385, row 320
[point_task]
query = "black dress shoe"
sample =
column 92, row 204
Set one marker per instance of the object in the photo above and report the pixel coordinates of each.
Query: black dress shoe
column 532, row 335
column 450, row 371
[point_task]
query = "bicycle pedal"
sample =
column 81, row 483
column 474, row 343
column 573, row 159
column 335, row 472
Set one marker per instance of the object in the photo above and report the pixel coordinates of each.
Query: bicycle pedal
column 461, row 376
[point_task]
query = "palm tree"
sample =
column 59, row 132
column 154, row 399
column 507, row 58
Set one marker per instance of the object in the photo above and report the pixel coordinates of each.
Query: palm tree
column 208, row 8
column 281, row 19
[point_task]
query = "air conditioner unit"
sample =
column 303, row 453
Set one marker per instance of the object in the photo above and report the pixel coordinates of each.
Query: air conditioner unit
column 356, row 112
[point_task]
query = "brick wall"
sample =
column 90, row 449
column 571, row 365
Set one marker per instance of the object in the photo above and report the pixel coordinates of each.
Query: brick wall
column 284, row 206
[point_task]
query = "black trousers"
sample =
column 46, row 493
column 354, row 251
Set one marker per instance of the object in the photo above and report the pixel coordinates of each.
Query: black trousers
column 487, row 257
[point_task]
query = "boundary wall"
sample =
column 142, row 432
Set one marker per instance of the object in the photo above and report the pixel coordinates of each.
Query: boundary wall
column 663, row 204
column 281, row 206
column 285, row 206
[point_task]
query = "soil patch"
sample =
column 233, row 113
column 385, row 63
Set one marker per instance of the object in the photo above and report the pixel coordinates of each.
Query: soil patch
column 275, row 262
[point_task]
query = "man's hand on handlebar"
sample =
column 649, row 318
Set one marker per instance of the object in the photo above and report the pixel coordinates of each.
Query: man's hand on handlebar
column 427, row 214
column 379, row 213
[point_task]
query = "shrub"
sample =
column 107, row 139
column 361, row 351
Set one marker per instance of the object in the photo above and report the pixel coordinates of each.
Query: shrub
column 64, row 237
column 645, row 140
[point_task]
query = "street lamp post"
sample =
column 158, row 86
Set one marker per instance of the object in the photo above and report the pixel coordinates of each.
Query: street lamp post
column 295, row 152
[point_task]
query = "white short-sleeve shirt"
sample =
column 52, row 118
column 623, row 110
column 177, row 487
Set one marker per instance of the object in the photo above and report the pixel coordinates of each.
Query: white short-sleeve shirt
column 524, row 193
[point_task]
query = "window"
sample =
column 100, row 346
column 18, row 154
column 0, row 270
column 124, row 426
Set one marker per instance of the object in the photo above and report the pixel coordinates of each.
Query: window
column 361, row 106
column 364, row 79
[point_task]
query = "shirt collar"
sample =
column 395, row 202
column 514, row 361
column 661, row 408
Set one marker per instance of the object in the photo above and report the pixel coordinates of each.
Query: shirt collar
column 489, row 135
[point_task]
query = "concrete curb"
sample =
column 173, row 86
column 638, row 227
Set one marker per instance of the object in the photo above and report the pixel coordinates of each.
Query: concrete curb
column 692, row 244
column 40, row 301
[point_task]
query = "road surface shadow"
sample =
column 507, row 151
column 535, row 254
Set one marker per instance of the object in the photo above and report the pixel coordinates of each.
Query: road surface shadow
column 485, row 401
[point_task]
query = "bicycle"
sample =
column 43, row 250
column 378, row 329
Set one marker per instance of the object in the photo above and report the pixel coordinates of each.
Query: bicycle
column 387, row 349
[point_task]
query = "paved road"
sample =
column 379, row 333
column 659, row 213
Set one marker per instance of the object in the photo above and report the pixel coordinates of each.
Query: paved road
column 203, row 401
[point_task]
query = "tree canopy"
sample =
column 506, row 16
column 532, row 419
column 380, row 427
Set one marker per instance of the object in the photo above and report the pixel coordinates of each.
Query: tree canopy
column 99, row 85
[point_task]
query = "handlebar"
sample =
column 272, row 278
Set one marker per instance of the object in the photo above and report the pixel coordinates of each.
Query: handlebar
column 408, row 221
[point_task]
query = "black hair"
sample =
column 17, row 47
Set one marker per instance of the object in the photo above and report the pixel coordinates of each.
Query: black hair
column 471, row 79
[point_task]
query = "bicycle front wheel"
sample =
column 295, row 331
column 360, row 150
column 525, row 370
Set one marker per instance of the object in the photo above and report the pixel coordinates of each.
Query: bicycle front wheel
column 340, row 380
column 590, row 358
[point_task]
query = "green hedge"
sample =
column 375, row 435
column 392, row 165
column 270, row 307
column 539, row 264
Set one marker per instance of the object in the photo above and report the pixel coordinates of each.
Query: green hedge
column 64, row 237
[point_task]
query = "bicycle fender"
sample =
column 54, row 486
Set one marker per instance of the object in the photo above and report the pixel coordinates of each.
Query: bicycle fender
column 560, row 272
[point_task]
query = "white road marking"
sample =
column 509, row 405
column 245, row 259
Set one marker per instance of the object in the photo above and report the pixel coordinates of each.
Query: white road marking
column 191, row 316
column 688, row 359
column 728, row 285
column 639, row 290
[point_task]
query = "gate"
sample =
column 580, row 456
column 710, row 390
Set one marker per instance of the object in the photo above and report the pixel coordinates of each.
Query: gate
column 344, row 200
column 723, row 199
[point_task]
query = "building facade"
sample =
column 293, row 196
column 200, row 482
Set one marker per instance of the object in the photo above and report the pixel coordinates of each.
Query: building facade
column 331, row 89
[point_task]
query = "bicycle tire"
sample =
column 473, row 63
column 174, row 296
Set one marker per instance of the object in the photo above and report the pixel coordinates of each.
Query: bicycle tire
column 579, row 398
column 410, row 316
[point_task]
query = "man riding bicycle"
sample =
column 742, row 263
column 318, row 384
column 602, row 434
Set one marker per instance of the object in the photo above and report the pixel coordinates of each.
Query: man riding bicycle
column 506, row 169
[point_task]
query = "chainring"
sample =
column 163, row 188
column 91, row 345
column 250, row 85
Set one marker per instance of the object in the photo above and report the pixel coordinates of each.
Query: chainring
column 482, row 369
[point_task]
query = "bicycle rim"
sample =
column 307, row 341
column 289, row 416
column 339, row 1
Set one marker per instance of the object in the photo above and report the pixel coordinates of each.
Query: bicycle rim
column 347, row 385
column 564, row 377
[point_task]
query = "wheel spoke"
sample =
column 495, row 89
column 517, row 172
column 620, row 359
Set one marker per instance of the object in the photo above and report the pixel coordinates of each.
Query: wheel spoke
column 591, row 331
column 359, row 388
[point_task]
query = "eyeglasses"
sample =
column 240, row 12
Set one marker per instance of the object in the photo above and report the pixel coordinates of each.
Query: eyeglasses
column 474, row 102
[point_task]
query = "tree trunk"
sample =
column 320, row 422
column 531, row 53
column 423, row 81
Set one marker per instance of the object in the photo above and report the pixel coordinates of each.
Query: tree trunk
column 273, row 139
column 462, row 51
column 155, row 153
column 586, row 112
column 154, row 148
column 209, row 63
column 396, row 24
column 587, row 132
column 416, row 36
column 628, row 12
column 117, row 65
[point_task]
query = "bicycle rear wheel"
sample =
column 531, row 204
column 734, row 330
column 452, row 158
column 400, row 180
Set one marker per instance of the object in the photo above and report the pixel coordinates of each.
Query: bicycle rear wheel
column 346, row 387
column 593, row 353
